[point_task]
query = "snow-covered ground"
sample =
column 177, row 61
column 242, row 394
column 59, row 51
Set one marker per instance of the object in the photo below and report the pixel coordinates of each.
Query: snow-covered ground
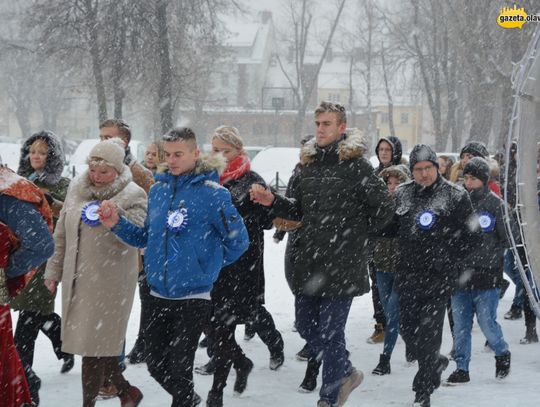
column 268, row 388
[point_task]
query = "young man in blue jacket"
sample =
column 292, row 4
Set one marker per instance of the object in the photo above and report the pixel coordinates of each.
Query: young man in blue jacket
column 191, row 232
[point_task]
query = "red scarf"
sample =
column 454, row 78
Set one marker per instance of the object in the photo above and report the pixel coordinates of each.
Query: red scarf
column 235, row 169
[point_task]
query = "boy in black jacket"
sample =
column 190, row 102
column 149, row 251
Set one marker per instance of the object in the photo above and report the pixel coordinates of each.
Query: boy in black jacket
column 478, row 291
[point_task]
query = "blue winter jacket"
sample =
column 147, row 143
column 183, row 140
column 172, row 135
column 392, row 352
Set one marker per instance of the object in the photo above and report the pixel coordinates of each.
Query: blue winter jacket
column 188, row 260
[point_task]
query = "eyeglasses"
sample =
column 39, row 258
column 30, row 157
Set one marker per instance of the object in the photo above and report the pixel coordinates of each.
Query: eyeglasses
column 419, row 170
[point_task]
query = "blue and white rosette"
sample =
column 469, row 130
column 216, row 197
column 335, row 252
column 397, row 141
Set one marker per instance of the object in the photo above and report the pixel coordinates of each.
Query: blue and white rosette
column 177, row 220
column 426, row 219
column 487, row 221
column 89, row 213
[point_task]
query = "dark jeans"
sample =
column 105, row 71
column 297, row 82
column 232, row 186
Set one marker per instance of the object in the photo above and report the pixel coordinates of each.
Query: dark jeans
column 421, row 326
column 378, row 310
column 511, row 270
column 321, row 322
column 28, row 326
column 390, row 302
column 172, row 337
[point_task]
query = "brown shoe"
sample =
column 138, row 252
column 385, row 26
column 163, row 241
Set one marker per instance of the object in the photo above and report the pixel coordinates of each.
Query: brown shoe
column 107, row 391
column 348, row 384
column 131, row 397
column 378, row 334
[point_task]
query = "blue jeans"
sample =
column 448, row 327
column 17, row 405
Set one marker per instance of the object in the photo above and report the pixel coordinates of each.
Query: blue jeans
column 483, row 303
column 321, row 322
column 390, row 302
column 511, row 270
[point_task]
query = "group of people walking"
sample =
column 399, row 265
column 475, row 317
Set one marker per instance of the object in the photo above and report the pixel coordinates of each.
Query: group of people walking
column 189, row 229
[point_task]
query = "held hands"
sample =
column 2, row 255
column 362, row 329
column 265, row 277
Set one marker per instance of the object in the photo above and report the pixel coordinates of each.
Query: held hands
column 108, row 214
column 51, row 285
column 261, row 195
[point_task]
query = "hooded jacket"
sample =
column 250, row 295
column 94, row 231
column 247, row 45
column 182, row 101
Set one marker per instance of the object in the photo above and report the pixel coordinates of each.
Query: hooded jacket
column 36, row 297
column 50, row 179
column 339, row 199
column 386, row 248
column 397, row 151
column 187, row 260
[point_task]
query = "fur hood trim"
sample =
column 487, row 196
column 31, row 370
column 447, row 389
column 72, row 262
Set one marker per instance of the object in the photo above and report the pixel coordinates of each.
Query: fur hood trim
column 400, row 171
column 206, row 163
column 349, row 147
column 87, row 191
column 54, row 164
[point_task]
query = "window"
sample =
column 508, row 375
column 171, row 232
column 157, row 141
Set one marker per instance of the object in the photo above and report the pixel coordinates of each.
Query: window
column 384, row 118
column 334, row 97
column 404, row 118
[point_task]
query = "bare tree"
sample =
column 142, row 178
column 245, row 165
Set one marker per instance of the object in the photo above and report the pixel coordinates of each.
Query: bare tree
column 301, row 77
column 388, row 92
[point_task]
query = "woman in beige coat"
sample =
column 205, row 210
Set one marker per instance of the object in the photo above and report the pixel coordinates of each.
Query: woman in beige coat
column 97, row 270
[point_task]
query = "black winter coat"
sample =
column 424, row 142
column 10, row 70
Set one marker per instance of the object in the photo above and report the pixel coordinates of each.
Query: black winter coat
column 483, row 267
column 431, row 254
column 240, row 286
column 339, row 199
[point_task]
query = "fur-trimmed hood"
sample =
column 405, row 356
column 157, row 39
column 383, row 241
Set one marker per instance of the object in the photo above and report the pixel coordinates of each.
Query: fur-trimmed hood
column 206, row 163
column 401, row 172
column 54, row 165
column 348, row 147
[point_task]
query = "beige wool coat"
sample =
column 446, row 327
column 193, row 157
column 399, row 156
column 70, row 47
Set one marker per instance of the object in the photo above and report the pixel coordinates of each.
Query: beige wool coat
column 97, row 270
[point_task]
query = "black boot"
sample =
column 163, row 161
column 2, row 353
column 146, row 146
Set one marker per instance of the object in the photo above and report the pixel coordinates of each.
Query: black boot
column 303, row 354
column 249, row 331
column 513, row 313
column 502, row 366
column 243, row 368
column 421, row 400
column 215, row 399
column 310, row 379
column 530, row 337
column 207, row 369
column 276, row 359
column 383, row 367
column 441, row 366
column 34, row 384
column 69, row 362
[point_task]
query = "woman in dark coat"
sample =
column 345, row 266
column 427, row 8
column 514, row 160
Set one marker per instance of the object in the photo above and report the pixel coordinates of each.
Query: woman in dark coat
column 42, row 162
column 238, row 293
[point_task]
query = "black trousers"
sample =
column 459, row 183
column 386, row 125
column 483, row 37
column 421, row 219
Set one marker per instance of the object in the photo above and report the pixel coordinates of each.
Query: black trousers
column 226, row 351
column 172, row 337
column 421, row 327
column 144, row 295
column 28, row 326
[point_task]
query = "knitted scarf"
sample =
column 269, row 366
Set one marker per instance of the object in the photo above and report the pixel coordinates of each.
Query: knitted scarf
column 235, row 169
